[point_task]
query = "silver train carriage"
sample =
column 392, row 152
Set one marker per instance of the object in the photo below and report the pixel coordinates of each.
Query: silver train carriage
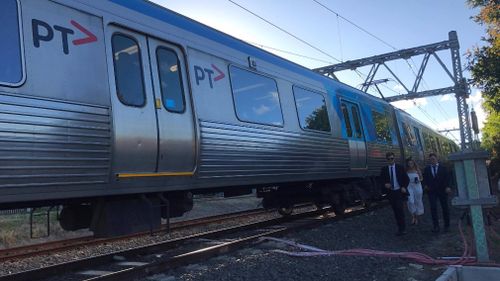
column 121, row 110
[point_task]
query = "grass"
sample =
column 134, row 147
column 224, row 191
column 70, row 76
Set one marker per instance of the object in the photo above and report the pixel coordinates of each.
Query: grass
column 15, row 230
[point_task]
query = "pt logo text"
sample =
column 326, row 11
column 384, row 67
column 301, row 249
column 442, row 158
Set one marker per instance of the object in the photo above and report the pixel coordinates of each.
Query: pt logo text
column 43, row 32
column 202, row 73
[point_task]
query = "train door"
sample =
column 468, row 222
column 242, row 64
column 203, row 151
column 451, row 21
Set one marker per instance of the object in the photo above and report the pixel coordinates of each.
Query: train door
column 173, row 108
column 355, row 135
column 134, row 121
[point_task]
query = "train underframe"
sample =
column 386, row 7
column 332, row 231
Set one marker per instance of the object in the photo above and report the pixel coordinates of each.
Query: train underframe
column 116, row 216
column 338, row 194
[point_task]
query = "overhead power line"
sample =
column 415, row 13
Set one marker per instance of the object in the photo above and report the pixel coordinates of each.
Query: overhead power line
column 287, row 52
column 287, row 32
column 438, row 106
column 354, row 24
column 325, row 53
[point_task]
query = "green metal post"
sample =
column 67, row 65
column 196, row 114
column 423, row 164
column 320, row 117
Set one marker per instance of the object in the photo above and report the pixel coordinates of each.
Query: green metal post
column 474, row 193
column 476, row 211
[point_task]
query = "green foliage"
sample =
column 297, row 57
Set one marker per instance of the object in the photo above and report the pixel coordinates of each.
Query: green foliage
column 318, row 120
column 484, row 64
column 382, row 125
column 491, row 139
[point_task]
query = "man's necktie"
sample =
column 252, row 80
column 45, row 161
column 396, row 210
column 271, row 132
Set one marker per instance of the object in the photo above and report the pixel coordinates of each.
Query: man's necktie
column 434, row 170
column 392, row 176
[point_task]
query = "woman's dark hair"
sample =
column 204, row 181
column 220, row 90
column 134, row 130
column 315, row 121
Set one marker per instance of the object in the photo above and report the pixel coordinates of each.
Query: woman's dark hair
column 408, row 162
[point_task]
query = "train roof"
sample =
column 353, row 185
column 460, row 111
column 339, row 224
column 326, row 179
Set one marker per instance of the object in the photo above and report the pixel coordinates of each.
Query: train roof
column 168, row 16
column 161, row 13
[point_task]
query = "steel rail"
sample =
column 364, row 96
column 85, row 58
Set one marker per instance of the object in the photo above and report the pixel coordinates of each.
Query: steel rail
column 286, row 224
column 60, row 245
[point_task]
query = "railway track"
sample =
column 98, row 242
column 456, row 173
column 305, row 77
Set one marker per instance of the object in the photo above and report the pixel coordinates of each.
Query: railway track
column 156, row 258
column 55, row 246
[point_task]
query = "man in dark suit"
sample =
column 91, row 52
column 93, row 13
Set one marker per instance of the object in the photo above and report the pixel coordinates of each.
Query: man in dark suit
column 437, row 184
column 395, row 180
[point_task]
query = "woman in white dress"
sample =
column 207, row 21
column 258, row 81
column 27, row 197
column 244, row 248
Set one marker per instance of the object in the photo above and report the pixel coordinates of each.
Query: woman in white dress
column 415, row 204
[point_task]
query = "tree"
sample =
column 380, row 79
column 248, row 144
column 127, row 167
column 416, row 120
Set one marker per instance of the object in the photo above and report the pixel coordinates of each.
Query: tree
column 484, row 64
column 318, row 120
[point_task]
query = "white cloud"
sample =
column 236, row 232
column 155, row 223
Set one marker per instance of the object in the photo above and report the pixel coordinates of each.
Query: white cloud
column 476, row 97
column 262, row 109
column 399, row 88
column 407, row 104
column 451, row 123
column 447, row 98
column 476, row 103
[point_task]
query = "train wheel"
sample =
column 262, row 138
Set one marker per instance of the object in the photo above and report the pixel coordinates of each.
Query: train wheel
column 285, row 211
column 338, row 204
column 319, row 206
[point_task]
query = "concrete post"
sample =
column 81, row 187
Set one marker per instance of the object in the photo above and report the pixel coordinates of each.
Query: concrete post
column 474, row 192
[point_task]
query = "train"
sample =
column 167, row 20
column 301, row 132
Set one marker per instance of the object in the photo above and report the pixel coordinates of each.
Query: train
column 121, row 111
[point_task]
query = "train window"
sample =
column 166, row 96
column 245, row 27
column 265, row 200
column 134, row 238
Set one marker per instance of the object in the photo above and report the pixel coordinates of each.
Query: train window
column 427, row 142
column 440, row 149
column 417, row 137
column 446, row 148
column 256, row 97
column 409, row 137
column 347, row 121
column 11, row 68
column 172, row 92
column 128, row 70
column 433, row 144
column 382, row 126
column 311, row 109
column 357, row 123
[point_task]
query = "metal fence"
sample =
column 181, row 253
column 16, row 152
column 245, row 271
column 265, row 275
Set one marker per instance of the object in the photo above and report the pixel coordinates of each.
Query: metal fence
column 14, row 212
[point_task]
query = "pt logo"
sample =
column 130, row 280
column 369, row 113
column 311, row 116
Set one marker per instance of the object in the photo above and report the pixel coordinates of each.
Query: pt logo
column 42, row 31
column 202, row 73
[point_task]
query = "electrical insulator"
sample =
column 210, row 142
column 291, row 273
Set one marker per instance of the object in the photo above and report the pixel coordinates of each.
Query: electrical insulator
column 475, row 126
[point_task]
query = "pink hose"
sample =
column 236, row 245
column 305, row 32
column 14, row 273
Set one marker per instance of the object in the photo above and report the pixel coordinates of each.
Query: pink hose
column 420, row 258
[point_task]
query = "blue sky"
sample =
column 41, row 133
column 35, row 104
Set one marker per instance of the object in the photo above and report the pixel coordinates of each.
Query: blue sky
column 398, row 24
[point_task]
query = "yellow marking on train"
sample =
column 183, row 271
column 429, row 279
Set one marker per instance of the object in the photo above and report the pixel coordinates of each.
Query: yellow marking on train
column 163, row 174
column 158, row 103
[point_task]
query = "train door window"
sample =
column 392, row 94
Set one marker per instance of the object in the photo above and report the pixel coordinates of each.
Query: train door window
column 256, row 97
column 347, row 120
column 311, row 110
column 382, row 127
column 11, row 68
column 169, row 71
column 417, row 137
column 357, row 122
column 128, row 70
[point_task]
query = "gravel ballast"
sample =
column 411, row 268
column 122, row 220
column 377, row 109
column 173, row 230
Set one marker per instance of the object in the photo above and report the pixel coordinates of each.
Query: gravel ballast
column 374, row 230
